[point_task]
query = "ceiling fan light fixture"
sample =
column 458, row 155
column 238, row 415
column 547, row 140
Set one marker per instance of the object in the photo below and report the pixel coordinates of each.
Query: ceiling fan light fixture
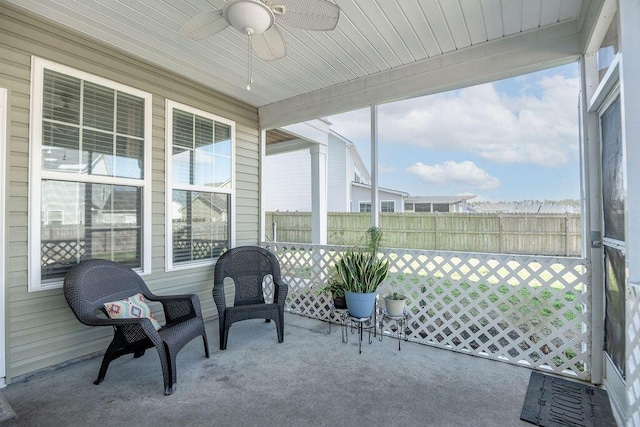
column 245, row 15
column 256, row 19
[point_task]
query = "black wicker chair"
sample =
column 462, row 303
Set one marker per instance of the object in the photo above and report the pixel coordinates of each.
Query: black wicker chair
column 90, row 284
column 247, row 266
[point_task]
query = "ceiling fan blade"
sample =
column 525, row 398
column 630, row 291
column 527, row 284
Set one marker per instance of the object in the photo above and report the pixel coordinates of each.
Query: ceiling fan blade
column 204, row 25
column 269, row 45
column 317, row 15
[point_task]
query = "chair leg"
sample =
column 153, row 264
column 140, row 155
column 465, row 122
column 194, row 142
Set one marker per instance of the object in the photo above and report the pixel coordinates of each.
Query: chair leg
column 169, row 371
column 280, row 330
column 206, row 345
column 224, row 335
column 280, row 326
column 103, row 370
column 113, row 352
column 223, row 327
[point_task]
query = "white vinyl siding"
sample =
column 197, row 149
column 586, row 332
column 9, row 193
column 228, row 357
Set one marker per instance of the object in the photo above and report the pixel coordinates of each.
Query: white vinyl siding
column 288, row 181
column 338, row 180
column 41, row 330
column 90, row 160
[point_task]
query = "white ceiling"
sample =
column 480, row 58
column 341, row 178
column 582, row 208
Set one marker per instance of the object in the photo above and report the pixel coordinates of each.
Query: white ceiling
column 375, row 41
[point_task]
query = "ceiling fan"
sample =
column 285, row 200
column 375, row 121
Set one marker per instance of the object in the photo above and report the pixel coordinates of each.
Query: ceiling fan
column 257, row 18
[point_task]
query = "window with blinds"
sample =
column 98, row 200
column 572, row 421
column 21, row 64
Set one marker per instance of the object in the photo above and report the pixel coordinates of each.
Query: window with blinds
column 201, row 189
column 89, row 169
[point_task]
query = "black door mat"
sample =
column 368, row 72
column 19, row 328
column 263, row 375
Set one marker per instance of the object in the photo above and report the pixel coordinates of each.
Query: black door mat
column 556, row 402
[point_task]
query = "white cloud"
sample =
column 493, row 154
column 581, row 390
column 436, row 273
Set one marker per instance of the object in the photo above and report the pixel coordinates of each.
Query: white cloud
column 465, row 175
column 538, row 126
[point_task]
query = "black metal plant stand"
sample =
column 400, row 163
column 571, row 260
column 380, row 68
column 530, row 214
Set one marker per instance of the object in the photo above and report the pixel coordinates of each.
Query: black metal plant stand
column 400, row 322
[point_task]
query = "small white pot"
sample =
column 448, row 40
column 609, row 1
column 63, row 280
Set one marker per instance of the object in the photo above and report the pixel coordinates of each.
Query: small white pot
column 395, row 307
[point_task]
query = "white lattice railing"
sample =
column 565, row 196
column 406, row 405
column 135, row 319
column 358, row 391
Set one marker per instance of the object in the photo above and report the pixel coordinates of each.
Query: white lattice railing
column 530, row 310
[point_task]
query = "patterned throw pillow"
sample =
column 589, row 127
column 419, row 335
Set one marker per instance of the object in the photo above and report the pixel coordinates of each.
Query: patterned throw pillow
column 130, row 308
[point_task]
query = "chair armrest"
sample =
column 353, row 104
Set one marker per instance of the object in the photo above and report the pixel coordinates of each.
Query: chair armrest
column 280, row 291
column 219, row 298
column 179, row 307
column 98, row 321
column 132, row 328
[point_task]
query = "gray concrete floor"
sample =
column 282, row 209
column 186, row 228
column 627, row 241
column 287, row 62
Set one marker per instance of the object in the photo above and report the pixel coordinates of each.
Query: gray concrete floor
column 312, row 379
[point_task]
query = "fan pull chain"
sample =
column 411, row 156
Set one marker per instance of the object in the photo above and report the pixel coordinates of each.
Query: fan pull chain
column 250, row 61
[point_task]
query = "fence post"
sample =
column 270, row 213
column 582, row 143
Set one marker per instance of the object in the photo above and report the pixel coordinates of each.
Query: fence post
column 500, row 234
column 435, row 226
column 566, row 235
column 273, row 230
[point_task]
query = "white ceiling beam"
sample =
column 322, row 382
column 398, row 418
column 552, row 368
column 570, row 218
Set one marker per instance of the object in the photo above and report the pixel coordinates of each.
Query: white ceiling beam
column 490, row 61
column 598, row 18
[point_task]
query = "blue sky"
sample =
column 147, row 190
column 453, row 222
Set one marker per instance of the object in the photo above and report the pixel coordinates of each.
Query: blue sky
column 514, row 139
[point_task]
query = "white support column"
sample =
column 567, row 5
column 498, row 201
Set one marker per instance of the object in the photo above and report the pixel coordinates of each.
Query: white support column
column 592, row 208
column 262, row 230
column 318, row 194
column 375, row 203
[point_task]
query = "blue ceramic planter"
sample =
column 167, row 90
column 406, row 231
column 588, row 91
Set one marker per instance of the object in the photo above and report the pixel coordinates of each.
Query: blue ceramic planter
column 360, row 305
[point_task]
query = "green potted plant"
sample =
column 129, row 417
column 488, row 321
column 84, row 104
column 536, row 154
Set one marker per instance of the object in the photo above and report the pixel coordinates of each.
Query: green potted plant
column 394, row 303
column 361, row 272
column 336, row 288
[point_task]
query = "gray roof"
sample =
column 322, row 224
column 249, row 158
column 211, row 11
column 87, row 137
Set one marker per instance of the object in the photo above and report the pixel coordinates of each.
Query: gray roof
column 388, row 190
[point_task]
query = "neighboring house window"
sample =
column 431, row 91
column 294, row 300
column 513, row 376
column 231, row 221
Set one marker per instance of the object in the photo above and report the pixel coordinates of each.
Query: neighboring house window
column 365, row 206
column 55, row 217
column 441, row 207
column 200, row 185
column 388, row 206
column 385, row 206
column 90, row 173
column 408, row 206
column 423, row 207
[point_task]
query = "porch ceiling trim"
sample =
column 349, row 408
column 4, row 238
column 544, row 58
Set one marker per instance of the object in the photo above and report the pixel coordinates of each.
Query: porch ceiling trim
column 503, row 58
column 288, row 146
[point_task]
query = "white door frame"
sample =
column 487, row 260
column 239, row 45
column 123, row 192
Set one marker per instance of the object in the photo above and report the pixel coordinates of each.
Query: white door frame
column 3, row 173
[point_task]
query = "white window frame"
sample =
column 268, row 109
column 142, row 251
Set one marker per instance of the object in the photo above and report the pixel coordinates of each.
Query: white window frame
column 36, row 175
column 3, row 150
column 393, row 202
column 169, row 186
column 360, row 204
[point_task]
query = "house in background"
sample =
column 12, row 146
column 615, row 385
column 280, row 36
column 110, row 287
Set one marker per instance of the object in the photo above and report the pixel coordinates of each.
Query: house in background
column 288, row 175
column 389, row 200
column 437, row 203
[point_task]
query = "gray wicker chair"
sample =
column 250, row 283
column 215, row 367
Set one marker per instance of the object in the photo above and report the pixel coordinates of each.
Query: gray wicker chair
column 247, row 266
column 90, row 284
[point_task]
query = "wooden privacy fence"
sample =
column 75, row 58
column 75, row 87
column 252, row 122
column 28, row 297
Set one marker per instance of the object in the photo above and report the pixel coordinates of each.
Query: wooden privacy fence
column 532, row 234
